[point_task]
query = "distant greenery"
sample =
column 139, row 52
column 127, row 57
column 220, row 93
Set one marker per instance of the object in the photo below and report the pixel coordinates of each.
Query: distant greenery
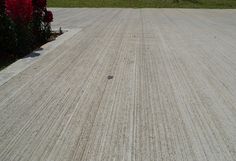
column 145, row 3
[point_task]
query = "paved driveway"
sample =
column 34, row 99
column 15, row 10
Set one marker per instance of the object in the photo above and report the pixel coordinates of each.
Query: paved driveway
column 133, row 84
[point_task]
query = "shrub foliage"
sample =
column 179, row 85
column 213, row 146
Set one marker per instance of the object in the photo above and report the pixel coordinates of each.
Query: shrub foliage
column 23, row 23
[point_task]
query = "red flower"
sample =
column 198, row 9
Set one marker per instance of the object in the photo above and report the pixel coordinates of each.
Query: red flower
column 20, row 11
column 40, row 4
column 48, row 17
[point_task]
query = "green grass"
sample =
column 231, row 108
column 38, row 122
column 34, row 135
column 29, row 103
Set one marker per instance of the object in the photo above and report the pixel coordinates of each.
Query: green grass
column 144, row 3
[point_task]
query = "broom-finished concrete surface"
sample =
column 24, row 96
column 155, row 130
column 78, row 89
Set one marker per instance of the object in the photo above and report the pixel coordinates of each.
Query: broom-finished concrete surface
column 172, row 96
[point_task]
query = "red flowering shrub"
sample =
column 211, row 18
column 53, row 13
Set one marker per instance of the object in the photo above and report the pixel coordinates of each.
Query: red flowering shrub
column 48, row 17
column 42, row 19
column 24, row 24
column 2, row 7
column 20, row 11
column 40, row 4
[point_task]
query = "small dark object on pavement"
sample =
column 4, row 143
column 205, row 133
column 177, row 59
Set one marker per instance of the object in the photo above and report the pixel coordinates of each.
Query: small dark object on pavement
column 110, row 77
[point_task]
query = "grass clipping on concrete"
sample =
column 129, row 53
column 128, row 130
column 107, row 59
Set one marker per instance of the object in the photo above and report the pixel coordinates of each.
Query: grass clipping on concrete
column 144, row 3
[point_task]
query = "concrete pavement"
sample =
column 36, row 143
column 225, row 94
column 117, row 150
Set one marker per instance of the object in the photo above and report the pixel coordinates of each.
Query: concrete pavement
column 172, row 96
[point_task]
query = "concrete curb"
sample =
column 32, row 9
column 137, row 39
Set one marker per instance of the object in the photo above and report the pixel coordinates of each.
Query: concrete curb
column 21, row 64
